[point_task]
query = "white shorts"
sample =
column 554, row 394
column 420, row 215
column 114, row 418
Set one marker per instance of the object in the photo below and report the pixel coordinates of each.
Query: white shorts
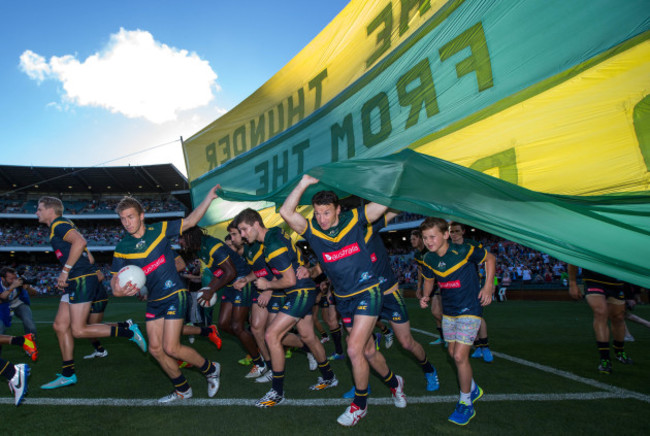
column 462, row 329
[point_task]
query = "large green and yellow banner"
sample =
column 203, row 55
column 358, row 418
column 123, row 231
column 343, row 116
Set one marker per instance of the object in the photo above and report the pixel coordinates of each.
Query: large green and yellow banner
column 547, row 95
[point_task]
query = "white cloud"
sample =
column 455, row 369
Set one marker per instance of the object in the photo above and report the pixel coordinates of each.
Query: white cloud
column 134, row 75
column 34, row 65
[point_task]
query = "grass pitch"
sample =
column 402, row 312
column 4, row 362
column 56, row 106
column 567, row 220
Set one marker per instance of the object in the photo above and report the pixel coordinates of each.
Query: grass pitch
column 543, row 381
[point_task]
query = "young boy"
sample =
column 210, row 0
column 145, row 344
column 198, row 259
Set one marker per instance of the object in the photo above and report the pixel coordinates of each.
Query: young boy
column 462, row 299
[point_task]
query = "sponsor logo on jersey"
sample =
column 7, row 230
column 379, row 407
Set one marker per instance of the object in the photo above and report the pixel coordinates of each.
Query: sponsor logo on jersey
column 171, row 310
column 141, row 244
column 442, row 265
column 149, row 315
column 347, row 320
column 397, row 316
column 169, row 284
column 365, row 277
column 344, row 252
column 218, row 273
column 449, row 285
column 261, row 273
column 373, row 257
column 148, row 269
column 275, row 271
column 58, row 254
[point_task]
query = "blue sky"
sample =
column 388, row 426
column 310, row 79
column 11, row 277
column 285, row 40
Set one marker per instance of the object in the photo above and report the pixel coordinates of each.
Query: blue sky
column 86, row 83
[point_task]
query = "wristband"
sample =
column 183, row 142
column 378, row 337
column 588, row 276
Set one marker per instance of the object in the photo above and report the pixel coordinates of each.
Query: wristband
column 64, row 272
column 67, row 266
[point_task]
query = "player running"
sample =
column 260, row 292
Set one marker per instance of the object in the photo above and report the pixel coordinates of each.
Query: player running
column 482, row 343
column 283, row 260
column 78, row 279
column 225, row 267
column 337, row 238
column 454, row 266
column 148, row 246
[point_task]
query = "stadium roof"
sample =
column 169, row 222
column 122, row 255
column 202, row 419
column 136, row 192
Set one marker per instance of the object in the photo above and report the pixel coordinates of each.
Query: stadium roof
column 93, row 180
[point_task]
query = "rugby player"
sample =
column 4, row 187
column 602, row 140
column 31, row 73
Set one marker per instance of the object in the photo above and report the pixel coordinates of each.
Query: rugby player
column 606, row 298
column 394, row 307
column 226, row 266
column 457, row 236
column 148, row 246
column 79, row 280
column 337, row 238
column 454, row 266
column 254, row 255
column 436, row 304
column 283, row 260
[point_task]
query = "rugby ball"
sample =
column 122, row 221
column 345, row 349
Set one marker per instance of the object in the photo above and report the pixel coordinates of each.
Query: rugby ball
column 210, row 303
column 143, row 292
column 133, row 274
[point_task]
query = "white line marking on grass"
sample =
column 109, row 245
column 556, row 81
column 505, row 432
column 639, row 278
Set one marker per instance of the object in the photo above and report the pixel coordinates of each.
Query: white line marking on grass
column 624, row 393
column 206, row 402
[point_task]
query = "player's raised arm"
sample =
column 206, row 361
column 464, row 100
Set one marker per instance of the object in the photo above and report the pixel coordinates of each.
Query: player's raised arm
column 195, row 216
column 288, row 211
column 374, row 211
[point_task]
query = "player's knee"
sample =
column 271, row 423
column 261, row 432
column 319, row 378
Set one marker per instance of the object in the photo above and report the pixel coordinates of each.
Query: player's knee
column 171, row 349
column 271, row 338
column 237, row 328
column 257, row 329
column 78, row 331
column 617, row 317
column 407, row 342
column 156, row 350
column 60, row 327
column 224, row 326
column 355, row 351
column 460, row 357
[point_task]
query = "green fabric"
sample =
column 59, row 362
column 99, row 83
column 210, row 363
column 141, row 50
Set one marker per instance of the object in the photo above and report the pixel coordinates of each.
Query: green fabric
column 608, row 234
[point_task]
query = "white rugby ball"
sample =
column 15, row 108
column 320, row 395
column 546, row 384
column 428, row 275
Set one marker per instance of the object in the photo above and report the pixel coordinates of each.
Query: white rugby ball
column 133, row 274
column 143, row 292
column 210, row 303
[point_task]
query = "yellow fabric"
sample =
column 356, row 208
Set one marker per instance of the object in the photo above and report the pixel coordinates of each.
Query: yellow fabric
column 577, row 138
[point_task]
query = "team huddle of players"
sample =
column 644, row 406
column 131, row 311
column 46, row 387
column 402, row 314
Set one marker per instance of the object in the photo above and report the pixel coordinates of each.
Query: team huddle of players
column 264, row 281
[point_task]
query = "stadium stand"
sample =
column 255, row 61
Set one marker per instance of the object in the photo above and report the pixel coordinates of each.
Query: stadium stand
column 89, row 196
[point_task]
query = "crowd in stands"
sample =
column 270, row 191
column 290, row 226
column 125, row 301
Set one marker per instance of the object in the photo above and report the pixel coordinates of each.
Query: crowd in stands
column 89, row 207
column 21, row 235
column 517, row 265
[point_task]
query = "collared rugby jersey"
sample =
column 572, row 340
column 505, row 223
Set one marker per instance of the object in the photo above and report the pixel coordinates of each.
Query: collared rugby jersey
column 343, row 253
column 59, row 228
column 280, row 254
column 254, row 255
column 153, row 253
column 379, row 256
column 457, row 278
column 214, row 252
